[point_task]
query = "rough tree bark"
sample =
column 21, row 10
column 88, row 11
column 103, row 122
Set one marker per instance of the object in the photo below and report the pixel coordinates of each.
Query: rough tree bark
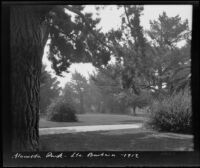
column 26, row 46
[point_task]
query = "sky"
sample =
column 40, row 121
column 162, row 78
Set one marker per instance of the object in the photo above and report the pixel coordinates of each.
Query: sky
column 110, row 19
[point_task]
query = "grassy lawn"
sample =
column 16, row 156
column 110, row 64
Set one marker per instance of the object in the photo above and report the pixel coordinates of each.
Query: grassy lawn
column 141, row 139
column 96, row 119
column 117, row 140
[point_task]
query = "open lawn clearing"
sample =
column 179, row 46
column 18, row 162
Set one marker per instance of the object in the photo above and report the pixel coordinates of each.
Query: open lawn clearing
column 95, row 119
column 132, row 139
column 117, row 140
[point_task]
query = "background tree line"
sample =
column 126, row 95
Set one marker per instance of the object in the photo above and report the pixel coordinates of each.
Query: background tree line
column 144, row 69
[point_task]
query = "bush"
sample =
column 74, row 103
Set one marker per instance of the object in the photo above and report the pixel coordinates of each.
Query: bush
column 172, row 113
column 61, row 111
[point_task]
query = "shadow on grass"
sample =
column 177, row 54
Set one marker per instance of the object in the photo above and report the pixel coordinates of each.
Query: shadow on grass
column 126, row 140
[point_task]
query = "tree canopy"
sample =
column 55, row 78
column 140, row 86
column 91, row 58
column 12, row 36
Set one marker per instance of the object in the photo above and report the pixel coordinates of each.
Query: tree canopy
column 74, row 39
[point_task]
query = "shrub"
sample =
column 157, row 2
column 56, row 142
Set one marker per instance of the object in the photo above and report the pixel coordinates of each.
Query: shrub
column 61, row 111
column 172, row 113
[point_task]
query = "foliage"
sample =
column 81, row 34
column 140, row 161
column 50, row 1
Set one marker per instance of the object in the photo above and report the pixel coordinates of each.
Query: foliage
column 93, row 97
column 108, row 82
column 115, row 98
column 129, row 49
column 74, row 40
column 151, row 64
column 181, row 77
column 108, row 78
column 167, row 58
column 75, row 90
column 49, row 89
column 168, row 31
column 156, row 65
column 173, row 114
column 61, row 111
column 130, row 99
column 129, row 46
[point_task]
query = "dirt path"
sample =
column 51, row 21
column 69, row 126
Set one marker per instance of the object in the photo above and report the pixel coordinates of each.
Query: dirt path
column 74, row 129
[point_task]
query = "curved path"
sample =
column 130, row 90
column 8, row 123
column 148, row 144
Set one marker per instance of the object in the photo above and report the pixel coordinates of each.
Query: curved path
column 74, row 129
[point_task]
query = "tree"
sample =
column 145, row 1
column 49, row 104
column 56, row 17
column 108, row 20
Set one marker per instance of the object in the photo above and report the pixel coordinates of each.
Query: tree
column 149, row 65
column 79, row 83
column 133, row 101
column 130, row 46
column 165, row 34
column 130, row 51
column 168, row 31
column 26, row 46
column 108, row 82
column 115, row 98
column 77, row 87
column 82, row 93
column 93, row 96
column 181, row 77
column 75, row 41
column 49, row 90
column 30, row 28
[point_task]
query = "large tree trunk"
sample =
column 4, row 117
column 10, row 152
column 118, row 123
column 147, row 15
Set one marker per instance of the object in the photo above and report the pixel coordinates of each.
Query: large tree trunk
column 26, row 59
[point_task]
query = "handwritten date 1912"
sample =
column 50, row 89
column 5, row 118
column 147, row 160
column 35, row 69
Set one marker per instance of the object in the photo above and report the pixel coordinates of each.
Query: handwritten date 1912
column 130, row 155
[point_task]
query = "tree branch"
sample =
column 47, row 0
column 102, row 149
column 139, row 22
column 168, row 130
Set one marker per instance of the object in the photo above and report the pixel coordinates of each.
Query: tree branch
column 87, row 24
column 129, row 23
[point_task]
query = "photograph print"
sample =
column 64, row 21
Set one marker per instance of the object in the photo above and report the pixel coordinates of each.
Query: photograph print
column 101, row 78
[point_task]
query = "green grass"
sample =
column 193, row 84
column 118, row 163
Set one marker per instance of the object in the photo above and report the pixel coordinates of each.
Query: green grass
column 117, row 140
column 95, row 119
